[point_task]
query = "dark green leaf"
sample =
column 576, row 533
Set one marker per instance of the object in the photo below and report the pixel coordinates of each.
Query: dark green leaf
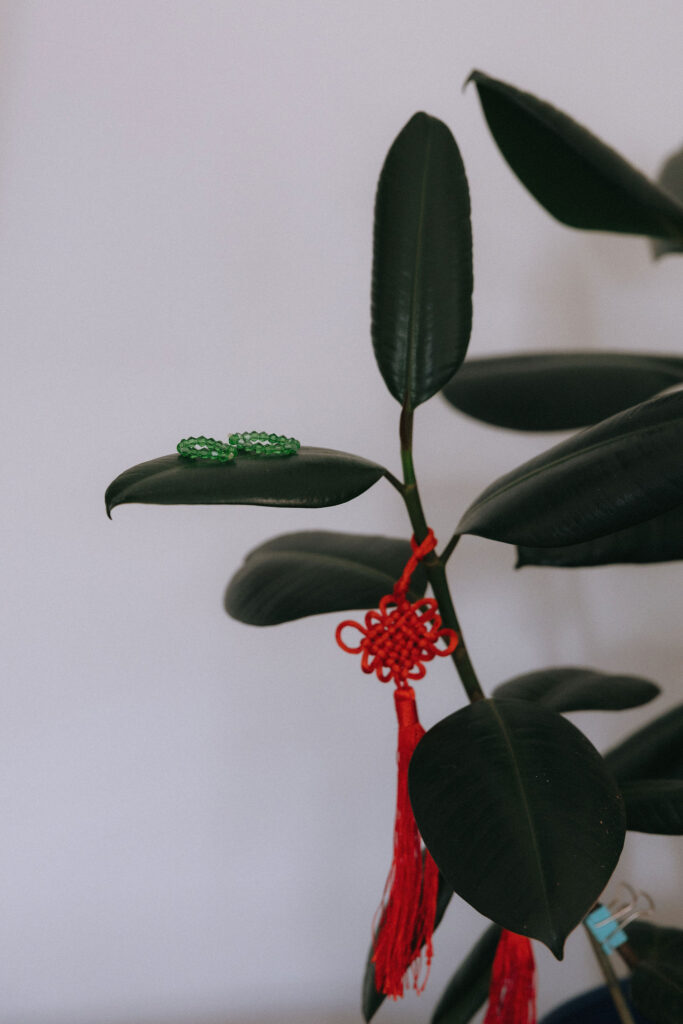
column 657, row 991
column 657, row 980
column 575, row 176
column 468, row 989
column 651, row 941
column 562, row 391
column 621, row 472
column 422, row 263
column 671, row 179
column 312, row 478
column 579, row 689
column 520, row 814
column 371, row 999
column 653, row 752
column 656, row 540
column 307, row 573
column 654, row 805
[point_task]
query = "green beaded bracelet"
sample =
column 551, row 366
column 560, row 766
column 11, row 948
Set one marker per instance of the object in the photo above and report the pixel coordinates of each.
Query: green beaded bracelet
column 251, row 443
column 206, row 448
column 263, row 445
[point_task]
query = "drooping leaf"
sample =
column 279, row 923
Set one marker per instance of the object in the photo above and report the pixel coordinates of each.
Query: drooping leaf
column 313, row 478
column 573, row 174
column 520, row 814
column 468, row 989
column 422, row 262
column 311, row 572
column 653, row 752
column 659, row 539
column 579, row 689
column 621, row 472
column 654, row 805
column 558, row 391
column 670, row 178
column 371, row 999
column 594, row 1007
column 657, row 980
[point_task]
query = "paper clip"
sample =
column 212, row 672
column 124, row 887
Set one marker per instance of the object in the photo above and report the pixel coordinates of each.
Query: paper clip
column 606, row 925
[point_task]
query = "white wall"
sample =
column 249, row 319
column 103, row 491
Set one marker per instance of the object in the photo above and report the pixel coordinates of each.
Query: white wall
column 196, row 814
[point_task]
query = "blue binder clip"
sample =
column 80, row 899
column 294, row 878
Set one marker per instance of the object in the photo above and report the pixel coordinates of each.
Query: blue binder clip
column 605, row 928
column 607, row 925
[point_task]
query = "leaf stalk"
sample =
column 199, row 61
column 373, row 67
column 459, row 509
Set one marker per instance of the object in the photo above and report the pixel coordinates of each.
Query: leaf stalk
column 433, row 563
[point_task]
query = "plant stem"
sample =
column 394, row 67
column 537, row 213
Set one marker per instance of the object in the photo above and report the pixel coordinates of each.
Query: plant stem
column 620, row 1005
column 434, row 565
column 393, row 481
column 450, row 548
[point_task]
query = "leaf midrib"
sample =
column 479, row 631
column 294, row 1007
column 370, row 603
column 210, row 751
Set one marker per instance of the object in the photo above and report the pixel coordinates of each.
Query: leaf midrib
column 505, row 733
column 408, row 399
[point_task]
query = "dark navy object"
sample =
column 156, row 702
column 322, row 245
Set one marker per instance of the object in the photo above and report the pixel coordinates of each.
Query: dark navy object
column 594, row 1007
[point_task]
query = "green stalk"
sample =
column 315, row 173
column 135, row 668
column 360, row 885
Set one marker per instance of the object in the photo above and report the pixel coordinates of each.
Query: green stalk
column 434, row 565
column 450, row 547
column 620, row 1005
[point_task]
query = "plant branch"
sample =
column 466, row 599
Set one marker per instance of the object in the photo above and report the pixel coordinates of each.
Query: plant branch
column 450, row 547
column 434, row 565
column 620, row 1005
column 394, row 481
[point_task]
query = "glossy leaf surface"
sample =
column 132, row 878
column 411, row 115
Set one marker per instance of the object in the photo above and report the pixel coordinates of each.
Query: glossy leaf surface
column 653, row 752
column 657, row 981
column 579, row 689
column 562, row 391
column 468, row 989
column 311, row 572
column 654, row 805
column 422, row 262
column 621, row 472
column 313, row 478
column 659, row 539
column 371, row 999
column 520, row 814
column 671, row 180
column 573, row 174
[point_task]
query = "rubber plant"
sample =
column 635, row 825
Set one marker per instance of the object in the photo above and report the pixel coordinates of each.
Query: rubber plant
column 517, row 812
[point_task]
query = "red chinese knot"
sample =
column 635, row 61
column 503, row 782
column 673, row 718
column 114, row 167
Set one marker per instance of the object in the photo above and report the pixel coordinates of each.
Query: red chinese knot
column 399, row 637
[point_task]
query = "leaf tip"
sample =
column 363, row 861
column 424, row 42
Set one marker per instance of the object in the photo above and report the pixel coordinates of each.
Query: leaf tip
column 662, row 250
column 417, row 118
column 371, row 999
column 474, row 76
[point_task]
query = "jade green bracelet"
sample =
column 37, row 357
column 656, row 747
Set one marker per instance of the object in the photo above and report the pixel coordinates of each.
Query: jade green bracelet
column 251, row 443
column 206, row 448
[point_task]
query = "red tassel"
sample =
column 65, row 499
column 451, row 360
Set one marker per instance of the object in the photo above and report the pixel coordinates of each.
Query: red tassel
column 395, row 642
column 403, row 941
column 512, row 996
